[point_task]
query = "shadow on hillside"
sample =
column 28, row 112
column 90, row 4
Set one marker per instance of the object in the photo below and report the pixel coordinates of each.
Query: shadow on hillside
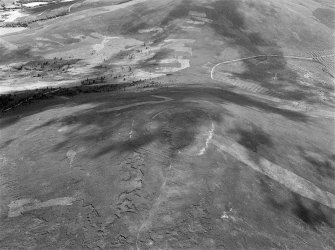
column 6, row 143
column 233, row 25
column 49, row 7
column 22, row 54
column 176, row 130
column 229, row 22
column 214, row 95
column 323, row 166
column 325, row 16
column 284, row 201
column 253, row 138
column 152, row 62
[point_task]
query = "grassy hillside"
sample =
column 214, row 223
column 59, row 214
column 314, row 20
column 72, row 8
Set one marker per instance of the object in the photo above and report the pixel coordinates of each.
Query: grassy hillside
column 168, row 124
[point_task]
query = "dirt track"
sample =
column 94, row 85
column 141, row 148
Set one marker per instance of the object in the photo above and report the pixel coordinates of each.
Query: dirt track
column 261, row 56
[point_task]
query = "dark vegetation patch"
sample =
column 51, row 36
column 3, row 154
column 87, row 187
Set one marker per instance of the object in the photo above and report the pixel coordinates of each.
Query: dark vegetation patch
column 139, row 17
column 175, row 129
column 161, row 54
column 47, row 64
column 144, row 17
column 41, row 67
column 154, row 61
column 123, row 1
column 233, row 25
column 229, row 22
column 323, row 166
column 263, row 70
column 160, row 37
column 311, row 213
column 6, row 143
column 123, row 54
column 10, row 101
column 253, row 138
column 180, row 11
column 327, row 3
column 326, row 17
column 48, row 7
column 180, row 128
column 21, row 54
column 25, row 21
column 93, row 81
column 215, row 95
column 134, row 26
column 273, row 74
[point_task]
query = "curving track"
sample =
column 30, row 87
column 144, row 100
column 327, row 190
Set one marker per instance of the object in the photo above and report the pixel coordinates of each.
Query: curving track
column 260, row 56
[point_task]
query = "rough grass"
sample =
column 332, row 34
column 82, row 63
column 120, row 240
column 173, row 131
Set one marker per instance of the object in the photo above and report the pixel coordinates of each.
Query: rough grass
column 326, row 17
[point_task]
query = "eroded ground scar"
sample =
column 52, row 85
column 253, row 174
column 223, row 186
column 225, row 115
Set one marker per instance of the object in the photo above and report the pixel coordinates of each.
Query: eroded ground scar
column 208, row 139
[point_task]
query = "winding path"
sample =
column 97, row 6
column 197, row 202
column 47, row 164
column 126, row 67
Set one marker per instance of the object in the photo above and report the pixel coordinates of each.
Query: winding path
column 259, row 56
column 41, row 13
column 71, row 7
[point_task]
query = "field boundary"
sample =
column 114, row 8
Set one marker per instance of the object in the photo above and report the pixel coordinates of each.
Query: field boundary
column 260, row 56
